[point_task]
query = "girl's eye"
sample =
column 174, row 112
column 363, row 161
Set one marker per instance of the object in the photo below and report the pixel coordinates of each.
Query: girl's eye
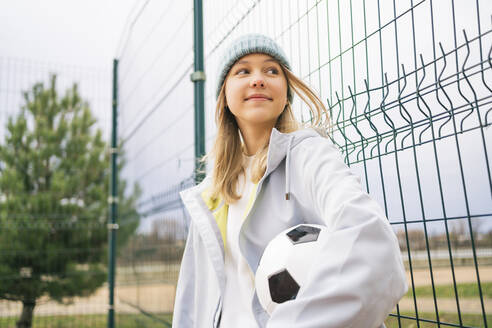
column 271, row 69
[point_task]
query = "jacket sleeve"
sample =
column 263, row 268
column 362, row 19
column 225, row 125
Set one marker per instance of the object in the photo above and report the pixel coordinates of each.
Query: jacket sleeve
column 184, row 306
column 360, row 276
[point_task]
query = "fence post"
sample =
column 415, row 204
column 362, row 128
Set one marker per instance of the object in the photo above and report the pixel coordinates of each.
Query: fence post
column 113, row 199
column 198, row 78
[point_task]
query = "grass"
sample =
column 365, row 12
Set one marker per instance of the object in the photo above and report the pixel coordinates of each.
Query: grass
column 465, row 290
column 141, row 321
column 468, row 320
column 92, row 321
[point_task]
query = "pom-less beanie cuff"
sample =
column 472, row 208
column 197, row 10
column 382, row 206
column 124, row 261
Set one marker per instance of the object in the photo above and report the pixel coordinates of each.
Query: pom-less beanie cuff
column 245, row 45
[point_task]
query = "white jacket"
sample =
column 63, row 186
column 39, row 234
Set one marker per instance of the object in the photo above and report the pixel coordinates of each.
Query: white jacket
column 356, row 283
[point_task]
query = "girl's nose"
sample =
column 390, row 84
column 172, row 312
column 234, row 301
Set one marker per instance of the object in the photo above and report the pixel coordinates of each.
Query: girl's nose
column 257, row 83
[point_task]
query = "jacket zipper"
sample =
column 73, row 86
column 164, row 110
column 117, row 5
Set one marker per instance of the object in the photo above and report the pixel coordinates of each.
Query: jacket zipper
column 216, row 322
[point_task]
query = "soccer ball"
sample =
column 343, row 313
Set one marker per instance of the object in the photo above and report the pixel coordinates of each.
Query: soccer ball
column 285, row 264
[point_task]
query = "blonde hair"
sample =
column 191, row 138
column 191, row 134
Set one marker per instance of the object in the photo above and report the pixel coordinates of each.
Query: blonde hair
column 227, row 150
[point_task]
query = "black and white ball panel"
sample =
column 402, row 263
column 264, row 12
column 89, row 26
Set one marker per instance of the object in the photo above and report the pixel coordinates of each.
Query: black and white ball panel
column 303, row 234
column 282, row 287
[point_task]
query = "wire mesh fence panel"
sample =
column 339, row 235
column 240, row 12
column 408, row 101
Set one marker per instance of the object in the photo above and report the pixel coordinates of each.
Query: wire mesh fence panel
column 156, row 130
column 58, row 283
column 148, row 266
column 417, row 136
column 18, row 75
column 53, row 233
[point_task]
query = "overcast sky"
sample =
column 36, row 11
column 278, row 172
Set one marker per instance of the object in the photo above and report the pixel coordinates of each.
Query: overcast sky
column 76, row 39
column 84, row 32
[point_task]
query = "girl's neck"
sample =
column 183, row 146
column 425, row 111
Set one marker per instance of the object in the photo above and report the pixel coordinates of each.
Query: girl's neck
column 254, row 139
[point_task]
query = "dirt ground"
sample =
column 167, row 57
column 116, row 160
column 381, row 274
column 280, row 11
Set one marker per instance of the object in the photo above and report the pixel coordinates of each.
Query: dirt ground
column 443, row 276
column 156, row 298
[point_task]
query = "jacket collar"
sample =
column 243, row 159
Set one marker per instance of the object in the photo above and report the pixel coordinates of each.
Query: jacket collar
column 280, row 147
column 203, row 219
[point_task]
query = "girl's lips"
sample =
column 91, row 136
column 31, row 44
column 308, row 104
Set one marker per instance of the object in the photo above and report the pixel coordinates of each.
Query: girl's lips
column 257, row 99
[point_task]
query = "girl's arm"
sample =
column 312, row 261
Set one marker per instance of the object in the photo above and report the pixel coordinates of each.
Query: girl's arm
column 360, row 276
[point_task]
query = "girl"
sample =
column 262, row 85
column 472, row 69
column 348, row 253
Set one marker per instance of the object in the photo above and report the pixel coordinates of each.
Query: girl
column 270, row 173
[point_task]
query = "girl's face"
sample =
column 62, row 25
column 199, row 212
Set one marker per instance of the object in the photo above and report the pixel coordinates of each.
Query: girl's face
column 256, row 91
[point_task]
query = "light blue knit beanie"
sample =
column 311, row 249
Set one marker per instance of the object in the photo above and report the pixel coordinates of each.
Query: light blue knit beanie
column 245, row 45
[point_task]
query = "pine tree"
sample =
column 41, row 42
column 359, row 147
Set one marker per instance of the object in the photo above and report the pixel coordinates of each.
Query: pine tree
column 54, row 186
